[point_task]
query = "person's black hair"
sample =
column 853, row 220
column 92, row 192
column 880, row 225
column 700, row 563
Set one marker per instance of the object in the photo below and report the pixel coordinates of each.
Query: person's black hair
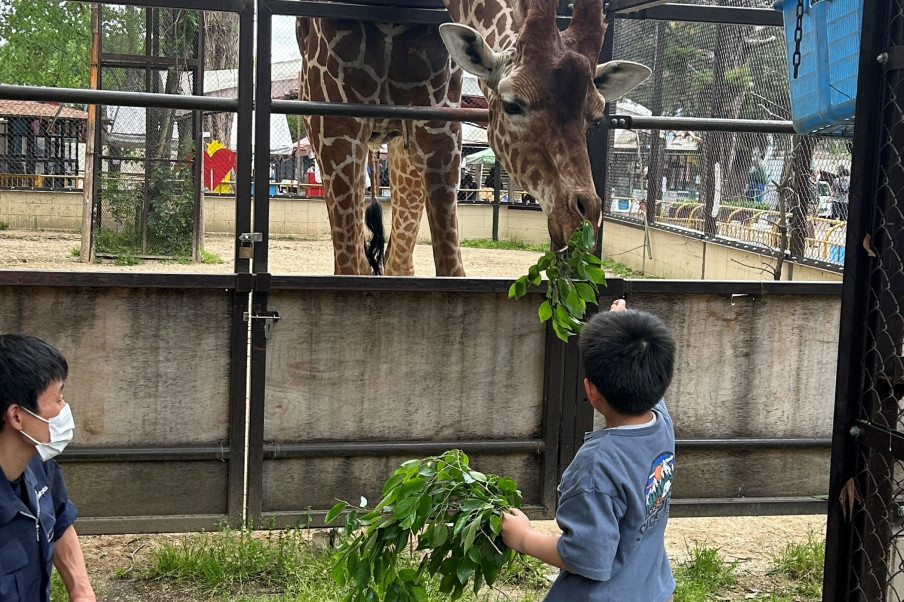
column 844, row 172
column 630, row 356
column 27, row 367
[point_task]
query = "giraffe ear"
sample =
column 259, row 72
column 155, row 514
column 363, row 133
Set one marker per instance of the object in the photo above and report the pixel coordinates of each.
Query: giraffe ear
column 616, row 78
column 469, row 49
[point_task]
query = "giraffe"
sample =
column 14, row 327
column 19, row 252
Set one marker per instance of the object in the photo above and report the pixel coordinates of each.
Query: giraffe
column 543, row 90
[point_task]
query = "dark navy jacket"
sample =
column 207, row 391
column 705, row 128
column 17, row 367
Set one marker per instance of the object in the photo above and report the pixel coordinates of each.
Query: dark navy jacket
column 27, row 533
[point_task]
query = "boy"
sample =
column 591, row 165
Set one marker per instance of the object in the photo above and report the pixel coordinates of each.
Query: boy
column 36, row 515
column 614, row 496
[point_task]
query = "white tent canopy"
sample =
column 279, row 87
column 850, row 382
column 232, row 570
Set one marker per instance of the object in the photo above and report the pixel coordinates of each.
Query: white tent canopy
column 280, row 138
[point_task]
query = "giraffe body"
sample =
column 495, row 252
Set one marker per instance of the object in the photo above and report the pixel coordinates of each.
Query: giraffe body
column 385, row 63
column 543, row 91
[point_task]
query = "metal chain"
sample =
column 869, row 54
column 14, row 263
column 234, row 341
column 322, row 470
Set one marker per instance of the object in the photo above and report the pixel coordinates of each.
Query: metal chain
column 798, row 36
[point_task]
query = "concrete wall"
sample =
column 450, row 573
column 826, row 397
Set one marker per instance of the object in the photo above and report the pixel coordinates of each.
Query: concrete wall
column 305, row 218
column 135, row 381
column 39, row 210
column 674, row 255
column 683, row 257
column 150, row 367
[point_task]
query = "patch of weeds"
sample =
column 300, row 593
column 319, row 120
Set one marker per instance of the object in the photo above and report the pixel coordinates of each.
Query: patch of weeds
column 4, row 225
column 126, row 260
column 232, row 560
column 703, row 576
column 208, row 257
column 623, row 271
column 503, row 245
column 283, row 566
column 75, row 252
column 181, row 260
column 802, row 564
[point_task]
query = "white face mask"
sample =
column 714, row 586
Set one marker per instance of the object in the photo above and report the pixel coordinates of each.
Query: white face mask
column 62, row 428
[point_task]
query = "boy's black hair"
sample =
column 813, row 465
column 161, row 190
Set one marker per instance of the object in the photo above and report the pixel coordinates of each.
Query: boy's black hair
column 27, row 367
column 630, row 356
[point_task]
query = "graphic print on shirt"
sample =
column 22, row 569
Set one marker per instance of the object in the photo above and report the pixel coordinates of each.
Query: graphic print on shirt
column 659, row 488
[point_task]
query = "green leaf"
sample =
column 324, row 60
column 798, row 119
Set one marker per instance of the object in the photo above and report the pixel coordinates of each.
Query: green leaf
column 596, row 274
column 465, row 569
column 334, row 512
column 495, row 524
column 588, row 239
column 586, row 292
column 470, row 533
column 513, row 291
column 338, row 573
column 474, row 553
column 440, row 533
column 418, row 593
column 545, row 311
column 490, row 571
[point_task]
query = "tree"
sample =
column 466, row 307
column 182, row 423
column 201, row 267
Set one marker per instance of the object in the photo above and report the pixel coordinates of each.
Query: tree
column 45, row 43
column 221, row 48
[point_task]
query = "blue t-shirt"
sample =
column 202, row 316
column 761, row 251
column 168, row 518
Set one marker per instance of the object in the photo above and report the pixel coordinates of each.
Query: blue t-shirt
column 27, row 532
column 613, row 507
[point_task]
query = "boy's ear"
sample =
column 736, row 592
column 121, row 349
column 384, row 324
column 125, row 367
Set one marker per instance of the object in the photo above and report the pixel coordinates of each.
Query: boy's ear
column 593, row 394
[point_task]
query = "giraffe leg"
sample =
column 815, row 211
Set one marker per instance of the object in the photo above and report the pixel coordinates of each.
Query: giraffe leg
column 441, row 171
column 407, row 190
column 342, row 162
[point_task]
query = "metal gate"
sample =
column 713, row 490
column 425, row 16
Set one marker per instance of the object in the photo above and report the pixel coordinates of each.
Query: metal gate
column 865, row 540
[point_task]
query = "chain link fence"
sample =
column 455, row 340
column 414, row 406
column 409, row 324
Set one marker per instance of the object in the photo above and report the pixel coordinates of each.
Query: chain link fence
column 783, row 193
column 147, row 194
column 869, row 461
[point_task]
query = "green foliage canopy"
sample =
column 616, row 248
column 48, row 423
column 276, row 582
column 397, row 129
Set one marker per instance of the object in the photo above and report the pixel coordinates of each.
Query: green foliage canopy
column 45, row 43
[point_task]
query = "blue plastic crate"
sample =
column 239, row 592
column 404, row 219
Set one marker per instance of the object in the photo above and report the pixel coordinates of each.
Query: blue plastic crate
column 824, row 95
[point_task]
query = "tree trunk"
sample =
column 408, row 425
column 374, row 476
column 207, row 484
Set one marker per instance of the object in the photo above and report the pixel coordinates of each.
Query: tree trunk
column 221, row 40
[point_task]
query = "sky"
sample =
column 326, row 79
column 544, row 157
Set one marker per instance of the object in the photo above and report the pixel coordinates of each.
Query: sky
column 285, row 47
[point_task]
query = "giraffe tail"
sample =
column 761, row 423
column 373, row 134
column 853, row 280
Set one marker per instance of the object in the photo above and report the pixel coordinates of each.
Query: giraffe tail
column 373, row 219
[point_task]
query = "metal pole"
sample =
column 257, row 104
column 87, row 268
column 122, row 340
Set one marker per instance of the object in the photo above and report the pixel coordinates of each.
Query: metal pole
column 497, row 184
column 86, row 252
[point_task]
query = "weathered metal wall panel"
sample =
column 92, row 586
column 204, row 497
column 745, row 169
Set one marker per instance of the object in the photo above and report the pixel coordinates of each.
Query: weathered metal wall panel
column 401, row 366
column 149, row 369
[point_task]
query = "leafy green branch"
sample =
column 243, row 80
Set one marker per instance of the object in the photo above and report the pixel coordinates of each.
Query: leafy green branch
column 453, row 512
column 574, row 275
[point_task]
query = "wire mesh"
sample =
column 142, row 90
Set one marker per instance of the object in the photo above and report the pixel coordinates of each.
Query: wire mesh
column 785, row 194
column 147, row 196
column 875, row 494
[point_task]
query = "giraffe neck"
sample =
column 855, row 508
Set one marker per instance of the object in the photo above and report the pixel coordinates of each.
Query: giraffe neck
column 496, row 20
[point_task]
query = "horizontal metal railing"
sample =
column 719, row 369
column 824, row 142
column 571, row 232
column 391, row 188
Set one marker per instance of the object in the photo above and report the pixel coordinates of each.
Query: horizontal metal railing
column 29, row 180
column 824, row 240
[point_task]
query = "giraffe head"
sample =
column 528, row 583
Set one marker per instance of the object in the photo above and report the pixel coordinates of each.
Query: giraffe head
column 543, row 94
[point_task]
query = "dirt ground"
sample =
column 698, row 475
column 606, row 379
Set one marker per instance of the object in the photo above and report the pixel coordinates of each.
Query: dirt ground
column 28, row 250
column 751, row 541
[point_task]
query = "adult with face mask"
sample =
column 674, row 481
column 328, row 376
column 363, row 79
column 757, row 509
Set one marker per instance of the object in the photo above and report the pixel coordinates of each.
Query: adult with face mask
column 36, row 516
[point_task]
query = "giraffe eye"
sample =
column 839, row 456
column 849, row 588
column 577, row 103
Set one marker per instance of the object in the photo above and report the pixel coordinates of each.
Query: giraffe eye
column 512, row 108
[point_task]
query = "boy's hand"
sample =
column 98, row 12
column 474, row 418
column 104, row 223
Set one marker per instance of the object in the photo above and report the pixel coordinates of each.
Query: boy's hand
column 515, row 527
column 618, row 305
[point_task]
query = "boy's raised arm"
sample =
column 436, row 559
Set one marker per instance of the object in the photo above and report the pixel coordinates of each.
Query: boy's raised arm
column 518, row 534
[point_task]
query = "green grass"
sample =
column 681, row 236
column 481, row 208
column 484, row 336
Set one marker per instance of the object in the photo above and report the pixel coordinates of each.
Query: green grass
column 622, row 271
column 4, row 225
column 283, row 566
column 703, row 576
column 75, row 252
column 503, row 245
column 207, row 257
column 125, row 259
column 802, row 564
